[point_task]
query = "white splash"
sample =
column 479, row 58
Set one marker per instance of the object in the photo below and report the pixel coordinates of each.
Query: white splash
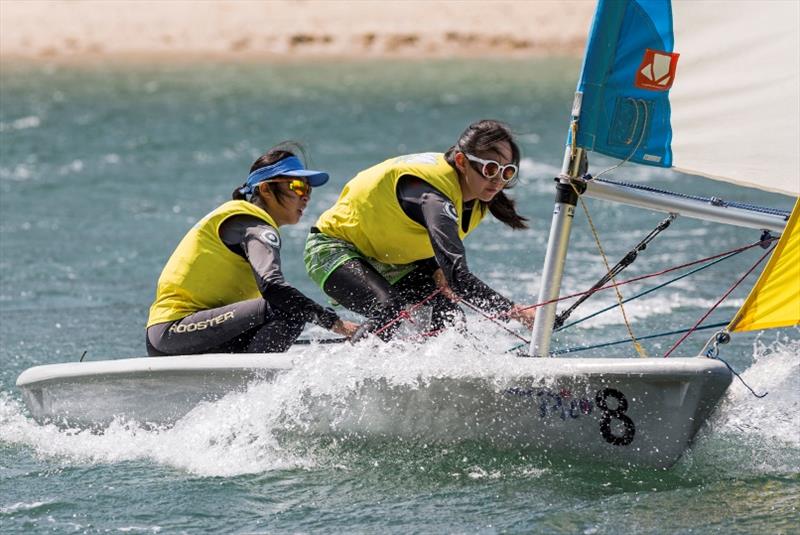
column 269, row 426
column 757, row 435
column 242, row 432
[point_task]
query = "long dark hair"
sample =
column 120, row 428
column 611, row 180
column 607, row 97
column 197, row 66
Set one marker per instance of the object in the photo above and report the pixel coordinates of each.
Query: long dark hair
column 482, row 136
column 284, row 149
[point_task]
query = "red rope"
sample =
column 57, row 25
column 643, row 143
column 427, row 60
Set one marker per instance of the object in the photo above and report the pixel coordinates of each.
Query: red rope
column 493, row 319
column 406, row 314
column 435, row 332
column 642, row 277
column 694, row 327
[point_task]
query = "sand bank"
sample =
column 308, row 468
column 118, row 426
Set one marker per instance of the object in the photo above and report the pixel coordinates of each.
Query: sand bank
column 264, row 29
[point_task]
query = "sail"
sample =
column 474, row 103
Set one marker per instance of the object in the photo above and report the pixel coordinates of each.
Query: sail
column 775, row 299
column 706, row 87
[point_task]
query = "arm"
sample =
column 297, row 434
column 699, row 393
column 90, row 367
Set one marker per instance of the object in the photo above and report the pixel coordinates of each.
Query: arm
column 259, row 244
column 429, row 207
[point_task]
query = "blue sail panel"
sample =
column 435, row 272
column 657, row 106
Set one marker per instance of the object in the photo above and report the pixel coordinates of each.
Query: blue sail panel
column 626, row 75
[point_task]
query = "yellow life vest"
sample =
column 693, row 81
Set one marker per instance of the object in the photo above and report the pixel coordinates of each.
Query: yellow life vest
column 202, row 272
column 369, row 216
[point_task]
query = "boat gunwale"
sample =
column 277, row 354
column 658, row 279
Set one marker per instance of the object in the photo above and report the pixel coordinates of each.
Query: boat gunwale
column 526, row 368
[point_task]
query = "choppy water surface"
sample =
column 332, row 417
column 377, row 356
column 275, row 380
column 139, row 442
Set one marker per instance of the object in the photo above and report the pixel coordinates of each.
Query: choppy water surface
column 103, row 169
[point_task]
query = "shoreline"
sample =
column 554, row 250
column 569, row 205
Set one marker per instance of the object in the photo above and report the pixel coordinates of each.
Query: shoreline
column 195, row 58
column 79, row 31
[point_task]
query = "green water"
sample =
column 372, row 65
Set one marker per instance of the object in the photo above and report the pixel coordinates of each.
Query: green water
column 104, row 168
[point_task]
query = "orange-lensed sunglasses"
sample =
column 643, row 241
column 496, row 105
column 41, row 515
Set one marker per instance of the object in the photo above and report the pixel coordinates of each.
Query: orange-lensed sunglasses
column 299, row 187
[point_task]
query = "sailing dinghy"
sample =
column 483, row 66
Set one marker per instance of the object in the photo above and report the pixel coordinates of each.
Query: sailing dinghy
column 728, row 110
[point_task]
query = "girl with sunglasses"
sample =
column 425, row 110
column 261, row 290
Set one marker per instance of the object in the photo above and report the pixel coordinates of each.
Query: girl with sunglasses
column 222, row 290
column 396, row 232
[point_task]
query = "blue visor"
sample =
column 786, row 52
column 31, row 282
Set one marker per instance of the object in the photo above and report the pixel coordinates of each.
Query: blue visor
column 287, row 167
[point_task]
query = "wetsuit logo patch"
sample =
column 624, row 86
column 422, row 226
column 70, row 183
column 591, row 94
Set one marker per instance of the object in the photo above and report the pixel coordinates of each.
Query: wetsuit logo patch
column 450, row 211
column 270, row 237
column 200, row 325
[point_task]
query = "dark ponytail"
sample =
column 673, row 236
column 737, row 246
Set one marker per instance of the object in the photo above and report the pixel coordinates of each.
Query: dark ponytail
column 282, row 150
column 504, row 209
column 238, row 195
column 482, row 136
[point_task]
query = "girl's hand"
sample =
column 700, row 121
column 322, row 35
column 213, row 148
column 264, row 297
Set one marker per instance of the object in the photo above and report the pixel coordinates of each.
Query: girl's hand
column 441, row 283
column 345, row 328
column 523, row 314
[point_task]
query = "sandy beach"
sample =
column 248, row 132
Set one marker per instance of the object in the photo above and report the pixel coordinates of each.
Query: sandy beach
column 78, row 30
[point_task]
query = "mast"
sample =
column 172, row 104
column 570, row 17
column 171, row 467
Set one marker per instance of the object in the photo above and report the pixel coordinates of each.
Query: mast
column 556, row 255
column 624, row 107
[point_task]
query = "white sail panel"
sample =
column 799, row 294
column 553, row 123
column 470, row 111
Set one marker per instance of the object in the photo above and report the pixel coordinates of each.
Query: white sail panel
column 736, row 96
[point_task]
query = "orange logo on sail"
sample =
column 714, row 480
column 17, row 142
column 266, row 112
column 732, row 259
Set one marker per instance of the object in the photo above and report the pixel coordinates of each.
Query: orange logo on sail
column 657, row 71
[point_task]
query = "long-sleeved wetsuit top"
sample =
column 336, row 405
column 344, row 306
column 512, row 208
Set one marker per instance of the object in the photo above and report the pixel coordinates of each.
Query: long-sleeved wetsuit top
column 429, row 207
column 260, row 244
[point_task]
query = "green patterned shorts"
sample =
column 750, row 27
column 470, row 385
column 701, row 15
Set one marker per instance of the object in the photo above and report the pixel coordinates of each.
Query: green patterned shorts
column 323, row 254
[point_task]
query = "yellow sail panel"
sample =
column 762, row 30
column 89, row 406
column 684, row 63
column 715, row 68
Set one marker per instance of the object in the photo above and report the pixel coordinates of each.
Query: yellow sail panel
column 775, row 299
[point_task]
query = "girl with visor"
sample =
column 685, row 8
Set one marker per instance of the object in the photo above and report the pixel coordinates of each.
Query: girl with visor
column 222, row 290
column 395, row 234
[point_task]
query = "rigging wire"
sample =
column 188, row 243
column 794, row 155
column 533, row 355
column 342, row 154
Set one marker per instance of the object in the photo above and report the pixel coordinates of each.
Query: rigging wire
column 493, row 319
column 657, row 273
column 639, row 349
column 636, row 102
column 716, row 258
column 406, row 314
column 626, row 261
column 734, row 372
column 721, row 299
column 721, row 338
column 650, row 290
column 626, row 340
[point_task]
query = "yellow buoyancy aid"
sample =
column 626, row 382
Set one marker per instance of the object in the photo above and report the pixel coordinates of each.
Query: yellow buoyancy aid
column 202, row 272
column 369, row 216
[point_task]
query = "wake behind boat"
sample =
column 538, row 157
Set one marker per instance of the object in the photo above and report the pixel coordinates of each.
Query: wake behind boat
column 622, row 410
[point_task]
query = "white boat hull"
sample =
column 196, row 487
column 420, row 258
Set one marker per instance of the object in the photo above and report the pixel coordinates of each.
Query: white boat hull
column 619, row 410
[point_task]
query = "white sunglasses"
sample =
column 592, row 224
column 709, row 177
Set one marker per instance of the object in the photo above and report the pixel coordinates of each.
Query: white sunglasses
column 491, row 169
